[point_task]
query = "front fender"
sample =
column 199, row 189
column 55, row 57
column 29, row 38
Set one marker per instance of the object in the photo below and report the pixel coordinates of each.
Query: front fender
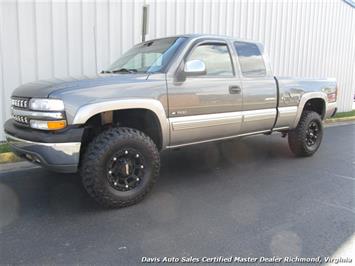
column 87, row 111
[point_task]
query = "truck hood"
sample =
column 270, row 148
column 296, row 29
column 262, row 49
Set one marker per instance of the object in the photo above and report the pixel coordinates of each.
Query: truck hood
column 44, row 88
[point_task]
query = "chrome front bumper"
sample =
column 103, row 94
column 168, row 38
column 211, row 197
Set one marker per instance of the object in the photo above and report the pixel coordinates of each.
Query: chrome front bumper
column 58, row 157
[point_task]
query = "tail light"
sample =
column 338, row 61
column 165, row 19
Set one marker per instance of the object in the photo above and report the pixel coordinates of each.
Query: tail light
column 332, row 96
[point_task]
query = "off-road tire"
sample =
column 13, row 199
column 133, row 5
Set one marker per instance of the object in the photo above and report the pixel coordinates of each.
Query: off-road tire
column 297, row 138
column 93, row 168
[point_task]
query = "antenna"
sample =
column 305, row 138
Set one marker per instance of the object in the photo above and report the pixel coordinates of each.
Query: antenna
column 145, row 22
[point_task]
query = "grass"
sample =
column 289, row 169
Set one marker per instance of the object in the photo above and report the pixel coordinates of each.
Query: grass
column 4, row 147
column 345, row 114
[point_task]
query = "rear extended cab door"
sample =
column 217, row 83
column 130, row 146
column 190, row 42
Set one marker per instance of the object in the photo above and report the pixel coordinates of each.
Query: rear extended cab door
column 259, row 87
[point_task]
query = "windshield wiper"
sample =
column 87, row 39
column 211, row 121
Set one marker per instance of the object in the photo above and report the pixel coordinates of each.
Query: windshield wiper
column 122, row 70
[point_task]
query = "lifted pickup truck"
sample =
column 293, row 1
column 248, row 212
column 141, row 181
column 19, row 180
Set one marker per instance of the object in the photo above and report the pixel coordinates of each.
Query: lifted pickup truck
column 162, row 94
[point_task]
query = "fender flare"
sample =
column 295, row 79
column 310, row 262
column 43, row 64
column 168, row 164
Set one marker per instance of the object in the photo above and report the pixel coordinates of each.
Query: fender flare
column 306, row 97
column 87, row 111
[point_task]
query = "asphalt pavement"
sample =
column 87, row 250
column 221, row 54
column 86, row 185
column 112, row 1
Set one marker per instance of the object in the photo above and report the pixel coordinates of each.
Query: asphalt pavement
column 249, row 198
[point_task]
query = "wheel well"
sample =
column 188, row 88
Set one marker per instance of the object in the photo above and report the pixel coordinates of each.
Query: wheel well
column 142, row 119
column 317, row 105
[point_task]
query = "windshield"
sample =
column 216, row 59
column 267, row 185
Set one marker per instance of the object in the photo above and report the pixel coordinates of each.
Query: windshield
column 151, row 56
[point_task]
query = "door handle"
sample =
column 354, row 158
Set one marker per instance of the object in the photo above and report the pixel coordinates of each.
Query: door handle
column 235, row 89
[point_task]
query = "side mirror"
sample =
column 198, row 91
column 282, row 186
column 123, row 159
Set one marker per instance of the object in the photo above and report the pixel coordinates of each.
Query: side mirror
column 195, row 68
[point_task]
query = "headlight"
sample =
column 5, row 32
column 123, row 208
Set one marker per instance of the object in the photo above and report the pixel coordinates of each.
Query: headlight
column 46, row 104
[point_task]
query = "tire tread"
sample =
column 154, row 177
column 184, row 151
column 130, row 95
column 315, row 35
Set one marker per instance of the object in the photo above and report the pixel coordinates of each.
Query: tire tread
column 92, row 176
column 296, row 139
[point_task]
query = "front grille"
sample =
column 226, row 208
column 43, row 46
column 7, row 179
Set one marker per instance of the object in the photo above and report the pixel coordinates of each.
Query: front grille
column 20, row 102
column 20, row 119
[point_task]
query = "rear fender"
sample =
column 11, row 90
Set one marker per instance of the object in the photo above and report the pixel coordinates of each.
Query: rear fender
column 304, row 99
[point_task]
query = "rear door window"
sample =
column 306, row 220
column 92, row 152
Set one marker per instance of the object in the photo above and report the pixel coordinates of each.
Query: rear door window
column 250, row 59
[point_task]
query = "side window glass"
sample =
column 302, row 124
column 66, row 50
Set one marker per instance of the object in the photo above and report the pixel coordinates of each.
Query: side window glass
column 216, row 58
column 250, row 59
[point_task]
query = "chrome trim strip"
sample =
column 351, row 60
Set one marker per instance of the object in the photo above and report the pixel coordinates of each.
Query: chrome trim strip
column 258, row 115
column 201, row 121
column 210, row 127
column 218, row 139
column 54, row 145
column 287, row 116
column 220, row 119
column 201, row 128
column 37, row 114
column 288, row 109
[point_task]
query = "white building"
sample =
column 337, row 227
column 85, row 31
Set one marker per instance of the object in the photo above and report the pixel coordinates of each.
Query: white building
column 43, row 39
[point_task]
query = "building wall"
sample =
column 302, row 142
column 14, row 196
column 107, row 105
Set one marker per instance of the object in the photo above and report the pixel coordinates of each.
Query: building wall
column 40, row 39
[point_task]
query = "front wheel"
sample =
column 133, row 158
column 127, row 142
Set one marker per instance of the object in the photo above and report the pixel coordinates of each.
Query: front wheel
column 306, row 138
column 120, row 167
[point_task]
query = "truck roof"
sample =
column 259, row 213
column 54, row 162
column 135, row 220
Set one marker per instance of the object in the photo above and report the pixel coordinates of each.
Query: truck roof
column 215, row 36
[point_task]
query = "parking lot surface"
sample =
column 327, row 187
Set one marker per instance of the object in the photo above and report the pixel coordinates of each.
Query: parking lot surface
column 246, row 197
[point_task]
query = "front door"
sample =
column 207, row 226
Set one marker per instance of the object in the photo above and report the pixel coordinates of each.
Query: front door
column 207, row 106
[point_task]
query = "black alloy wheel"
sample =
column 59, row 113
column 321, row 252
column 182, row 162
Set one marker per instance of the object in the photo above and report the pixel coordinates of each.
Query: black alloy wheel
column 126, row 169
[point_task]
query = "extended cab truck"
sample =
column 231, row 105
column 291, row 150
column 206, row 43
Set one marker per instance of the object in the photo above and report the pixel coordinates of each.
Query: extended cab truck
column 162, row 94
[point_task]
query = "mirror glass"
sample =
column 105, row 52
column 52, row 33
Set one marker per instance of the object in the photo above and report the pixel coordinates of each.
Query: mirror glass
column 195, row 67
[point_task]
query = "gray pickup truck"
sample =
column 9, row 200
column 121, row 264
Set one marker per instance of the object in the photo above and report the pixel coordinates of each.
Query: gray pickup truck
column 162, row 94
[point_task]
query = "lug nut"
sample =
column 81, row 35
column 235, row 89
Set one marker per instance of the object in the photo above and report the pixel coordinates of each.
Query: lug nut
column 126, row 152
column 110, row 172
column 114, row 158
column 137, row 155
column 142, row 166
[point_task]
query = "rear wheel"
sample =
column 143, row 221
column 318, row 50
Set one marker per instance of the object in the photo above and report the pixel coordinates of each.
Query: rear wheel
column 120, row 166
column 306, row 138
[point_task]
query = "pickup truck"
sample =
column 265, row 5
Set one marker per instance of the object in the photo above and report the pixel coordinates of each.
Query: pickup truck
column 162, row 94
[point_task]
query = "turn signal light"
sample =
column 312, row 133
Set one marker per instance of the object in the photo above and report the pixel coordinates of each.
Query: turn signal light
column 48, row 125
column 52, row 125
